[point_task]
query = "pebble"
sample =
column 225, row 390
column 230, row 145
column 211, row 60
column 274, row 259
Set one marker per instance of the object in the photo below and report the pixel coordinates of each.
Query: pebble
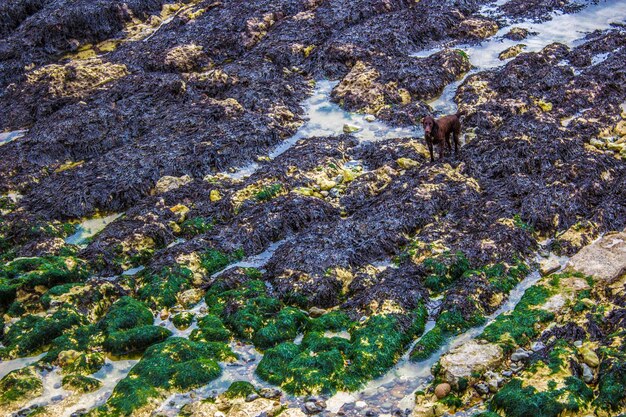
column 587, row 373
column 314, row 406
column 482, row 388
column 520, row 355
column 537, row 346
column 578, row 343
column 56, row 398
column 442, row 390
column 370, row 118
column 252, row 397
column 270, row 393
column 516, row 366
column 359, row 405
column 507, row 373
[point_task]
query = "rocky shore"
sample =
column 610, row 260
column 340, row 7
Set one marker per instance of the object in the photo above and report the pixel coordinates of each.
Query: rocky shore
column 227, row 208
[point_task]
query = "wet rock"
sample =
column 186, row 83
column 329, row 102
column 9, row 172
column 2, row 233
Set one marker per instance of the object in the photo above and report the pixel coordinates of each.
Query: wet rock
column 169, row 183
column 511, row 52
column 442, row 390
column 520, row 355
column 270, row 393
column 360, row 405
column 550, row 265
column 604, row 260
column 468, row 358
column 589, row 356
column 517, row 34
column 588, row 375
column 482, row 388
column 350, row 128
column 537, row 346
column 479, row 28
column 252, row 397
column 314, row 406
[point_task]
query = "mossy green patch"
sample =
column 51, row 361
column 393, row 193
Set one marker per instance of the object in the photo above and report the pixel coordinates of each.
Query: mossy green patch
column 519, row 401
column 283, row 327
column 32, row 333
column 183, row 320
column 328, row 364
column 20, row 384
column 612, row 385
column 239, row 389
column 80, row 383
column 518, row 327
column 210, row 329
column 174, row 365
column 85, row 364
column 160, row 290
column 135, row 340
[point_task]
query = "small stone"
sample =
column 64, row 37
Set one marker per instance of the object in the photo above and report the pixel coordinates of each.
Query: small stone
column 164, row 314
column 589, row 356
column 550, row 265
column 219, row 414
column 516, row 367
column 252, row 397
column 360, row 405
column 326, row 185
column 482, row 388
column 520, row 355
column 316, row 312
column 587, row 373
column 442, row 390
column 370, row 118
column 324, row 193
column 578, row 343
column 350, row 128
column 407, row 163
column 517, row 34
column 270, row 393
column 507, row 374
column 314, row 407
column 537, row 346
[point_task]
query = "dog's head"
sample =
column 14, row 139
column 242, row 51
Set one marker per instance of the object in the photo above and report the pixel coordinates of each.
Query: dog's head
column 429, row 124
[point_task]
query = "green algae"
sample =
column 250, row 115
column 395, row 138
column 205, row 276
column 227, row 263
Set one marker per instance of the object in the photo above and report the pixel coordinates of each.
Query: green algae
column 612, row 385
column 515, row 400
column 183, row 320
column 328, row 364
column 195, row 226
column 210, row 329
column 80, row 383
column 160, row 290
column 239, row 389
column 19, row 384
column 32, row 333
column 518, row 327
column 268, row 192
column 283, row 327
column 135, row 340
column 85, row 364
column 174, row 365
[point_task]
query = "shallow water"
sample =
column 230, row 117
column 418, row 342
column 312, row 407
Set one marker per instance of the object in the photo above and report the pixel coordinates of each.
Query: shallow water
column 90, row 228
column 485, row 55
column 325, row 118
column 12, row 365
column 6, row 137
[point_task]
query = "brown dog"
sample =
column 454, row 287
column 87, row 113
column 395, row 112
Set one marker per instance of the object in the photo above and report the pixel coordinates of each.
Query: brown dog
column 437, row 132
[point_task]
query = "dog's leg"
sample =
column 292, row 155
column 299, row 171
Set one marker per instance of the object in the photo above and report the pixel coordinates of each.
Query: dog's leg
column 430, row 148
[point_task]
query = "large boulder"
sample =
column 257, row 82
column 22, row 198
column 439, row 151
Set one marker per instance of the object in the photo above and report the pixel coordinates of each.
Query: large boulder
column 604, row 259
column 472, row 356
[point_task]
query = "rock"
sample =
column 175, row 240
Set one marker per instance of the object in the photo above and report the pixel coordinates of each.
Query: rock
column 406, row 163
column 326, row 185
column 350, row 128
column 589, row 356
column 314, row 406
column 512, row 52
column 587, row 373
column 316, row 312
column 479, row 28
column 169, row 183
column 507, row 373
column 620, row 128
column 550, row 265
column 520, row 355
column 578, row 343
column 517, row 34
column 252, row 397
column 270, row 393
column 472, row 356
column 517, row 366
column 190, row 297
column 442, row 390
column 537, row 346
column 292, row 412
column 215, row 196
column 604, row 259
column 370, row 118
column 360, row 405
column 482, row 388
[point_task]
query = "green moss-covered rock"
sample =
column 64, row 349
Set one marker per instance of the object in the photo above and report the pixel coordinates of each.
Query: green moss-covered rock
column 285, row 326
column 239, row 389
column 30, row 334
column 174, row 365
column 126, row 313
column 80, row 383
column 20, row 385
column 183, row 320
column 85, row 364
column 327, row 364
column 160, row 290
column 135, row 340
column 515, row 400
column 210, row 329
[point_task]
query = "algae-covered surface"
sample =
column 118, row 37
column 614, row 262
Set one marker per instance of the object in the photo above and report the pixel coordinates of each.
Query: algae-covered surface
column 227, row 208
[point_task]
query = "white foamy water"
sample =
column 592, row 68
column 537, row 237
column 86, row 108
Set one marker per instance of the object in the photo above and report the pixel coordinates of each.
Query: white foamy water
column 90, row 228
column 6, row 137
